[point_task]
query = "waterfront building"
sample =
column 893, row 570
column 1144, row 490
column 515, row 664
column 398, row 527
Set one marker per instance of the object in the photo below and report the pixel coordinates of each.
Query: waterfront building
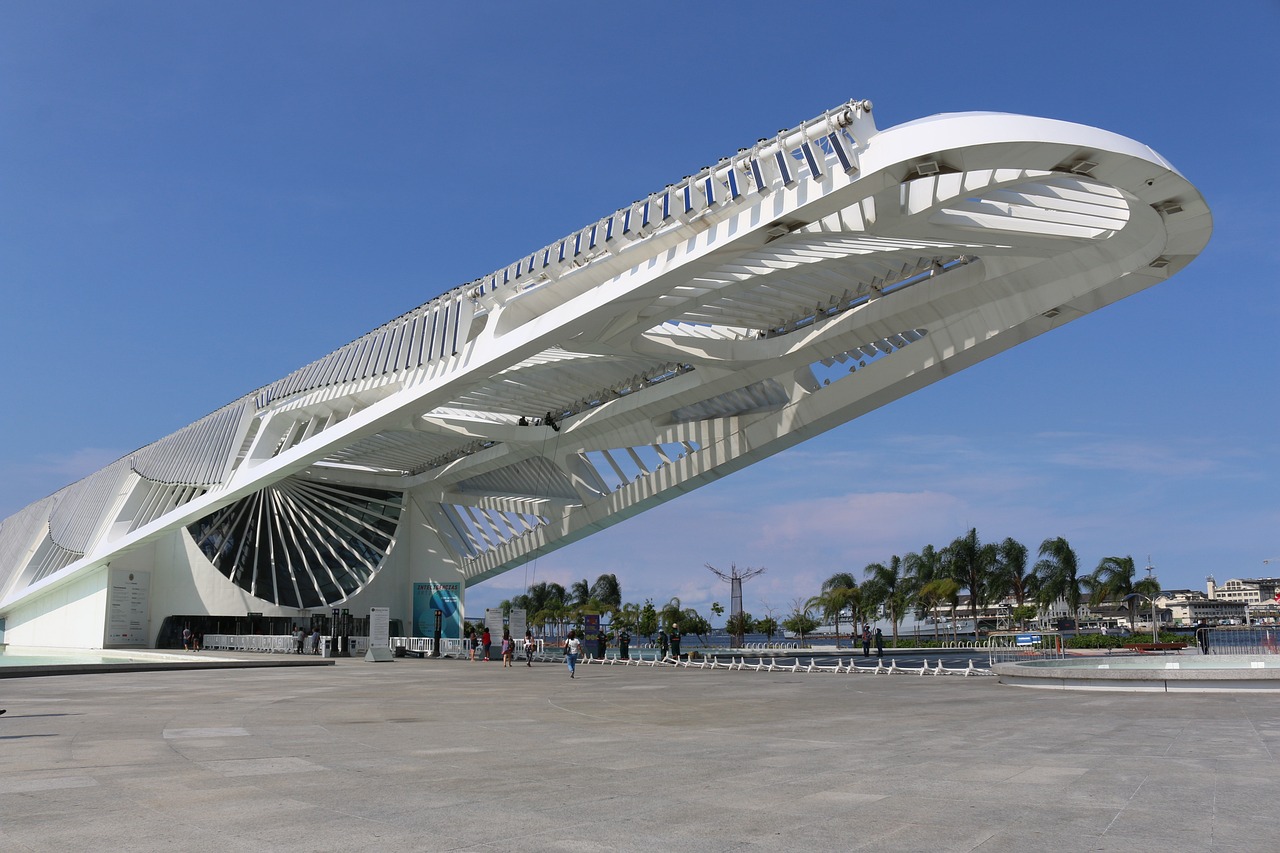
column 813, row 276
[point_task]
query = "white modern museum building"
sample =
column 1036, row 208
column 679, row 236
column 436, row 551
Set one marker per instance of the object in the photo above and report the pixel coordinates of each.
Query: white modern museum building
column 807, row 279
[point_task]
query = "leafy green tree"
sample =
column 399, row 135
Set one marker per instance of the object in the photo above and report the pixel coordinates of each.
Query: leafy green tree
column 717, row 608
column 579, row 592
column 972, row 564
column 627, row 616
column 1058, row 570
column 801, row 621
column 1022, row 613
column 766, row 625
column 647, row 624
column 738, row 626
column 693, row 622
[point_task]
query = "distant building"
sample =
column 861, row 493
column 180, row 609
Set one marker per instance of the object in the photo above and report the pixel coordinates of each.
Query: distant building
column 1237, row 601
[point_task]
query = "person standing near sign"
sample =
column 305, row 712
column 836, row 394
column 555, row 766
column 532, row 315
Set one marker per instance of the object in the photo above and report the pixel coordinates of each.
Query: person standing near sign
column 508, row 648
column 528, row 647
column 572, row 648
column 486, row 640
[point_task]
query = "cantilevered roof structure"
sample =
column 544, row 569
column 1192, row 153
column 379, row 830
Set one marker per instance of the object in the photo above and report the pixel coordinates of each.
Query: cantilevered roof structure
column 795, row 285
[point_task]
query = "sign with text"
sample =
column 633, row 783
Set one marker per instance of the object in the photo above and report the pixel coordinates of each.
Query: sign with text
column 434, row 597
column 517, row 622
column 128, row 608
column 591, row 630
column 493, row 620
column 380, row 627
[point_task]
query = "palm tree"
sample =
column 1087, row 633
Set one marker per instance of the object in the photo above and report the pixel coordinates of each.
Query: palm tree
column 1113, row 580
column 579, row 592
column 938, row 591
column 972, row 564
column 888, row 585
column 607, row 591
column 1058, row 570
column 671, row 611
column 1012, row 577
column 839, row 592
column 921, row 568
column 832, row 602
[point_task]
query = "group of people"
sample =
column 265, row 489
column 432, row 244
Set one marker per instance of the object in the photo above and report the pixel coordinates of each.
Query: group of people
column 868, row 638
column 669, row 642
column 300, row 640
column 482, row 643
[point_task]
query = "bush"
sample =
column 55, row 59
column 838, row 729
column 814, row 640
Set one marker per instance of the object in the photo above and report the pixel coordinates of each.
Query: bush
column 1095, row 641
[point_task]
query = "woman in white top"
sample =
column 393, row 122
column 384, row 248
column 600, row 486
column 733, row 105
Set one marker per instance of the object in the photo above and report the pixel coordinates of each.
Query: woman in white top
column 572, row 648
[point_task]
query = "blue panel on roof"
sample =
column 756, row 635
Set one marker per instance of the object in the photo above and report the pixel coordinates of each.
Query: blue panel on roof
column 809, row 158
column 837, row 146
column 783, row 169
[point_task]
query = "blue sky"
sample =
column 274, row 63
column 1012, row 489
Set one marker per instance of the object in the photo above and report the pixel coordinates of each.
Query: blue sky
column 197, row 198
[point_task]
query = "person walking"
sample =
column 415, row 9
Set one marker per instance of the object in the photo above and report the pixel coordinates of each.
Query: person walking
column 572, row 648
column 1202, row 635
column 528, row 647
column 879, row 644
column 508, row 648
column 662, row 644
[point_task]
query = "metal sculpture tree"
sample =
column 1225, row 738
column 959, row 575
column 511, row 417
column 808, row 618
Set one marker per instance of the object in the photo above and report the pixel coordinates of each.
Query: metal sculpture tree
column 734, row 578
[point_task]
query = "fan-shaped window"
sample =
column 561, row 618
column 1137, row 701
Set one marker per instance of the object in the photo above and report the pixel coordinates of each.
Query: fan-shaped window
column 302, row 544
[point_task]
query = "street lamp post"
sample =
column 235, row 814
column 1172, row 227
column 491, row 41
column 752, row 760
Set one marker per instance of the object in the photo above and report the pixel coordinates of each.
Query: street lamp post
column 1155, row 632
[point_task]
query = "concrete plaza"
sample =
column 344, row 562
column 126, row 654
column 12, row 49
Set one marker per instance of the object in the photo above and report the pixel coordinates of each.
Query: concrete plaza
column 416, row 755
